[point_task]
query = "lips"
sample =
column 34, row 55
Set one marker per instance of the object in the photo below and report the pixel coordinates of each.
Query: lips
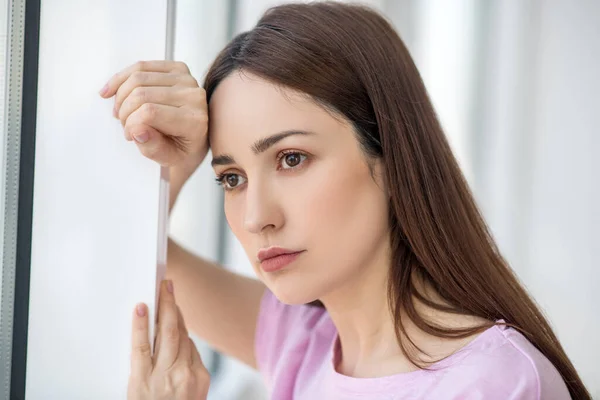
column 271, row 252
column 276, row 258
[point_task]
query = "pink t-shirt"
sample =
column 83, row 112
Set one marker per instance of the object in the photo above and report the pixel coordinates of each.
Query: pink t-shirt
column 296, row 347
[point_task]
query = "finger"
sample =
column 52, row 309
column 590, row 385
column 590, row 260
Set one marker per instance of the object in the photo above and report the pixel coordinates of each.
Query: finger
column 141, row 360
column 150, row 79
column 184, row 348
column 172, row 96
column 169, row 120
column 181, row 322
column 169, row 330
column 117, row 80
column 154, row 145
column 185, row 344
column 158, row 336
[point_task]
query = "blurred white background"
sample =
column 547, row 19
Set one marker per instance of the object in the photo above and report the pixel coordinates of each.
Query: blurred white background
column 515, row 84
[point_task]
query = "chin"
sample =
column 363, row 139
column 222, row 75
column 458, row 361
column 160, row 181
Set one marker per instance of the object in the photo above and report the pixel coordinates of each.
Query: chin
column 296, row 294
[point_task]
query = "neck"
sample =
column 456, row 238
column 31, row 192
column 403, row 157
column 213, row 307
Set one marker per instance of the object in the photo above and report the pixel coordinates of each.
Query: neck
column 362, row 316
column 366, row 327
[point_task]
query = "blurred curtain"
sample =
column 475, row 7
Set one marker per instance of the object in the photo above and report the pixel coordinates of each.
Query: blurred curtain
column 520, row 110
column 536, row 125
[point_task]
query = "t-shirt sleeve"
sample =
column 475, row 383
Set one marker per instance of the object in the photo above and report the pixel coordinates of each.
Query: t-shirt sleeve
column 282, row 333
column 514, row 371
column 545, row 378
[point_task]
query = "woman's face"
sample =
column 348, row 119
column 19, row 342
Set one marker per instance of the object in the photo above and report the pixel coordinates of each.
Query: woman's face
column 295, row 177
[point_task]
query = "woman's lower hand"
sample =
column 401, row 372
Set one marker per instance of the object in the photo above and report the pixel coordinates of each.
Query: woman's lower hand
column 175, row 371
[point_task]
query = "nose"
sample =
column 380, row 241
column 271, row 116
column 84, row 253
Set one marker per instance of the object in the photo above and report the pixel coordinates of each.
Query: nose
column 262, row 210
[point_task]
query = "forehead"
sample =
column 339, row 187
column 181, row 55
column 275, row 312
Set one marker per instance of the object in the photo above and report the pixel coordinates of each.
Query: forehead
column 245, row 107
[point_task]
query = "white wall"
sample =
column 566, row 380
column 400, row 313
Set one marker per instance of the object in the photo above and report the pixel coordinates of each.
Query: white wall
column 95, row 213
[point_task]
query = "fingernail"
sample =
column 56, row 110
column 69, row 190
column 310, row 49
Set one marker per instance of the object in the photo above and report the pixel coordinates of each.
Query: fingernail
column 115, row 111
column 170, row 286
column 142, row 137
column 140, row 310
column 104, row 90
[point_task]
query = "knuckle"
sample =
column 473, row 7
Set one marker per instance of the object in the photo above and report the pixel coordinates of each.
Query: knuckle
column 150, row 151
column 172, row 332
column 140, row 65
column 141, row 94
column 187, row 376
column 193, row 81
column 185, row 380
column 193, row 380
column 149, row 111
column 181, row 66
column 198, row 95
column 187, row 79
column 138, row 76
column 143, row 349
column 203, row 377
column 163, row 386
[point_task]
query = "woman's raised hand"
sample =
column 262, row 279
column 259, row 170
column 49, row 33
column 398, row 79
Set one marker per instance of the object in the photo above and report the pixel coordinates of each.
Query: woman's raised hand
column 162, row 109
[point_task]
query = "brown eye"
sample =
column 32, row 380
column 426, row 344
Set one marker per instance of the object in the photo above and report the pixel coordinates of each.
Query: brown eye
column 232, row 180
column 292, row 160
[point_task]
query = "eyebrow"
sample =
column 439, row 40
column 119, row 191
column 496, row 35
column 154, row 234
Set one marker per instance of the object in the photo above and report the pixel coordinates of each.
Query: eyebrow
column 260, row 146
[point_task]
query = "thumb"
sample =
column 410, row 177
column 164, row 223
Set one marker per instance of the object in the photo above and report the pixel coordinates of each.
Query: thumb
column 154, row 145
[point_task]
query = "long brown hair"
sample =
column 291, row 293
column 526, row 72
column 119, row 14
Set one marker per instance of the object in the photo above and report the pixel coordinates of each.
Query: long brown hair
column 349, row 59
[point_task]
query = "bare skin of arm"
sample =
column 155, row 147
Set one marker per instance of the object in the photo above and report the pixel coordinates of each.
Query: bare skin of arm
column 219, row 306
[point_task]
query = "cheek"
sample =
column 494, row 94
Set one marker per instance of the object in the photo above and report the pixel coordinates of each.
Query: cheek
column 345, row 210
column 233, row 208
column 329, row 199
column 345, row 199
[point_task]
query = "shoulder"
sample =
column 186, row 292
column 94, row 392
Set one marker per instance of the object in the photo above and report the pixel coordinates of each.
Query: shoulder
column 502, row 363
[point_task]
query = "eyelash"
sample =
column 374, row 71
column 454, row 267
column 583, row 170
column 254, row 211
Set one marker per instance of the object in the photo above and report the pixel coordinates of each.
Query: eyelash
column 220, row 179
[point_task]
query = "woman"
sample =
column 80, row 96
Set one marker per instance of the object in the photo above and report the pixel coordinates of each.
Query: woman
column 378, row 276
